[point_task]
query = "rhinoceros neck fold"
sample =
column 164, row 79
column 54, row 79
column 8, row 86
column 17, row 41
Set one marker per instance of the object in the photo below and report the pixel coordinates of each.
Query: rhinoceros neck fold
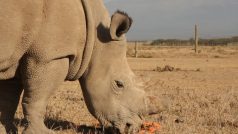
column 90, row 40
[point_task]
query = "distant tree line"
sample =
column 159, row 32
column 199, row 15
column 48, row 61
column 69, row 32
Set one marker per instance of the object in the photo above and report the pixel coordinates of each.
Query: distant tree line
column 206, row 42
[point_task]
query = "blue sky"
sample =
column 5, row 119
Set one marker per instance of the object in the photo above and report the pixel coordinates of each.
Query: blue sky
column 155, row 19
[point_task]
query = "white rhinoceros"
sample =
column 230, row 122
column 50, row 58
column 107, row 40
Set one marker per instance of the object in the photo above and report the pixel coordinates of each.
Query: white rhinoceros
column 45, row 42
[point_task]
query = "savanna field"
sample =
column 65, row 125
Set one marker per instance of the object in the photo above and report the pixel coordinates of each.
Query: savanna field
column 195, row 93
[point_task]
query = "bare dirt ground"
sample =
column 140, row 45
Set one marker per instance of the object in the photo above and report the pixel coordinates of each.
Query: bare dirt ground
column 197, row 94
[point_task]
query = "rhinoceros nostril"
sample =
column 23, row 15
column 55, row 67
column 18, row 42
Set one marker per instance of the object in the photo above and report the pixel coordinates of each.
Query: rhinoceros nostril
column 128, row 125
column 127, row 128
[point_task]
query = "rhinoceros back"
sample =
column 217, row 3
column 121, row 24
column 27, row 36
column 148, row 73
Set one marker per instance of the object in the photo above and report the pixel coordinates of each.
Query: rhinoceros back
column 18, row 25
column 43, row 30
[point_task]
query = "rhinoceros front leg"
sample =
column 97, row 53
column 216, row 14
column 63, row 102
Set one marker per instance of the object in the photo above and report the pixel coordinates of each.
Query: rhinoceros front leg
column 39, row 81
column 10, row 91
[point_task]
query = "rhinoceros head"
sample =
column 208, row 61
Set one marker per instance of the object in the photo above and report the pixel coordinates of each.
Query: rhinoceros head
column 109, row 86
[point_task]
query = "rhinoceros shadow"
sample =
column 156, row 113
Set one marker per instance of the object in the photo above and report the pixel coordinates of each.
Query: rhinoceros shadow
column 60, row 125
column 103, row 33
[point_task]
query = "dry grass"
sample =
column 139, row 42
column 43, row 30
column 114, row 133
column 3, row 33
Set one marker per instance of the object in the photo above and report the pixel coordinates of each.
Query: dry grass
column 191, row 101
column 195, row 109
column 145, row 51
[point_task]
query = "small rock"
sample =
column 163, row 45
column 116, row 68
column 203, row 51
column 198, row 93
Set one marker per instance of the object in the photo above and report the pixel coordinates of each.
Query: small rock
column 168, row 68
column 159, row 69
column 179, row 120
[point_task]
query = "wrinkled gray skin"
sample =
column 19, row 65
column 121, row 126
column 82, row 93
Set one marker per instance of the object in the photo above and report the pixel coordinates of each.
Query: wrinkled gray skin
column 44, row 43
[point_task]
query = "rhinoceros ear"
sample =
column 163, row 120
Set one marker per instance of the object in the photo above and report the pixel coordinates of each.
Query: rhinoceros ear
column 120, row 24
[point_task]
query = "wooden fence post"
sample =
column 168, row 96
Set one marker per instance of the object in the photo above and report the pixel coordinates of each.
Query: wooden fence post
column 136, row 49
column 196, row 39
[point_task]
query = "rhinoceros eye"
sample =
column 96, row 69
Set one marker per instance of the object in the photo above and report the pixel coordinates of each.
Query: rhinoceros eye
column 119, row 84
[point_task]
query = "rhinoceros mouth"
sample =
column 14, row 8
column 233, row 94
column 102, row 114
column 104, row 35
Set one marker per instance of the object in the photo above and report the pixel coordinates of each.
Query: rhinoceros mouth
column 133, row 125
column 128, row 128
